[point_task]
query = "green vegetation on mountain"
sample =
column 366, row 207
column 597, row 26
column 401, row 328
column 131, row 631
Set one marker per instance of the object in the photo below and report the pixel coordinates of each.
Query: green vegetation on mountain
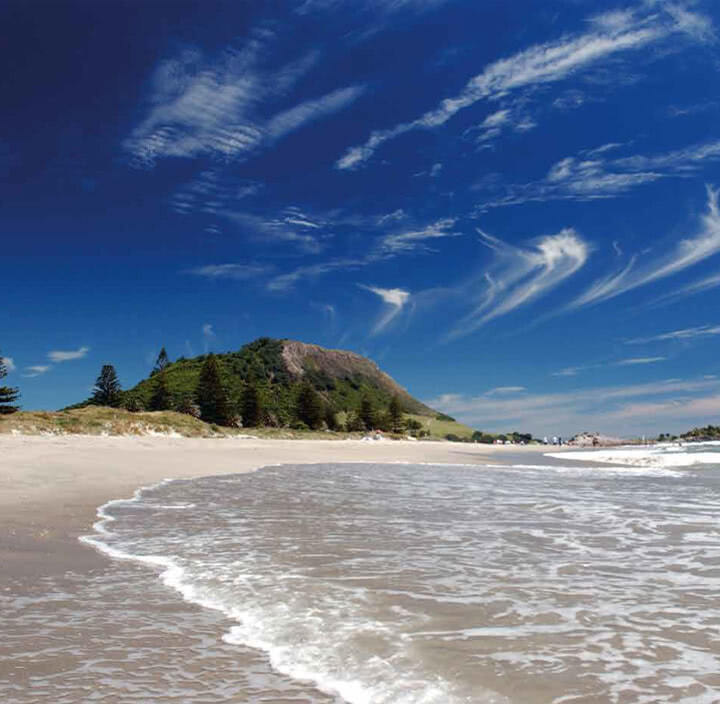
column 270, row 382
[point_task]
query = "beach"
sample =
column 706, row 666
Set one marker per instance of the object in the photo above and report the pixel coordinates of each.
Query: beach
column 360, row 572
column 53, row 485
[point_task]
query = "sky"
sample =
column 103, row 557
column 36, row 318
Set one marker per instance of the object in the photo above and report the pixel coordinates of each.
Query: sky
column 511, row 207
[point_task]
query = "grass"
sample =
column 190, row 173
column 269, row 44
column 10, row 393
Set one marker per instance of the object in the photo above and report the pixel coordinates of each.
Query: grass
column 441, row 428
column 99, row 420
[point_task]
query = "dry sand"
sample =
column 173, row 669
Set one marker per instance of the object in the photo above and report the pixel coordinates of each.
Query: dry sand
column 50, row 487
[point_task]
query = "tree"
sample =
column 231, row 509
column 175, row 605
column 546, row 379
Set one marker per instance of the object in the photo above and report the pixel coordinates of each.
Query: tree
column 8, row 394
column 354, row 423
column 107, row 391
column 161, row 399
column 395, row 415
column 210, row 394
column 161, row 362
column 188, row 406
column 366, row 412
column 251, row 407
column 330, row 418
column 310, row 407
column 133, row 403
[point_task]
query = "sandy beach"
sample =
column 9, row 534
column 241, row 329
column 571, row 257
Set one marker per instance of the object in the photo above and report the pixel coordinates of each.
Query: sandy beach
column 51, row 487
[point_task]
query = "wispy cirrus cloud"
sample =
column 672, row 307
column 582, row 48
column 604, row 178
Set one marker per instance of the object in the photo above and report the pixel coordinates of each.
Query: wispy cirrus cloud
column 289, row 120
column 505, row 390
column 413, row 240
column 291, row 226
column 239, row 272
column 395, row 235
column 518, row 276
column 394, row 300
column 686, row 253
column 611, row 35
column 9, row 363
column 683, row 334
column 632, row 361
column 214, row 107
column 590, row 175
column 58, row 356
column 213, row 191
column 285, row 282
column 624, row 410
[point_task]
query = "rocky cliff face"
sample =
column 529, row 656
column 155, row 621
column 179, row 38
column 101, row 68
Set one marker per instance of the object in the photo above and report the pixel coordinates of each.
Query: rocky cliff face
column 303, row 359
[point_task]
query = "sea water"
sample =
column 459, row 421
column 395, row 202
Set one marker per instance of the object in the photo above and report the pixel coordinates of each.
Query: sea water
column 369, row 583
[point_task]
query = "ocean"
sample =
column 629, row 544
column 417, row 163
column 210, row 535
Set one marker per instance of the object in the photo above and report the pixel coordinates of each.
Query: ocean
column 561, row 582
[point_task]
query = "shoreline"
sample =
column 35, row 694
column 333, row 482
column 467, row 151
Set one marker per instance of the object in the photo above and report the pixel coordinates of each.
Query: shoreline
column 52, row 486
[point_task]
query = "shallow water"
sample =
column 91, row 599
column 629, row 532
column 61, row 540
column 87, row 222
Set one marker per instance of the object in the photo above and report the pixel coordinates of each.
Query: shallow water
column 400, row 583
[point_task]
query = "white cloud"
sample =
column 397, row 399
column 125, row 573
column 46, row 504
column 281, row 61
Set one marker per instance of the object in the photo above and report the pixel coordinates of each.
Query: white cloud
column 229, row 271
column 686, row 253
column 311, row 110
column 701, row 286
column 394, row 299
column 414, row 240
column 67, row 355
column 684, row 334
column 613, row 409
column 520, row 276
column 639, row 360
column 9, row 363
column 504, row 390
column 590, row 175
column 286, row 281
column 200, row 107
column 36, row 370
column 573, row 371
column 542, row 64
column 212, row 192
column 207, row 330
column 287, row 228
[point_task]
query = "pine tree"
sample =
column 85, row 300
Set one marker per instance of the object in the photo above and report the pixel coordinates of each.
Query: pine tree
column 210, row 394
column 188, row 406
column 330, row 418
column 161, row 399
column 8, row 394
column 310, row 407
column 366, row 412
column 395, row 415
column 251, row 407
column 161, row 362
column 107, row 391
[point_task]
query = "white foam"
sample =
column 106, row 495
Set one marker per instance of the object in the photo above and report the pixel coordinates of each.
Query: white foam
column 648, row 457
column 346, row 572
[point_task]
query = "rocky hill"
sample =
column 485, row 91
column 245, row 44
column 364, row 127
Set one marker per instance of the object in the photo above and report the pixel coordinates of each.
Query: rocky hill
column 277, row 367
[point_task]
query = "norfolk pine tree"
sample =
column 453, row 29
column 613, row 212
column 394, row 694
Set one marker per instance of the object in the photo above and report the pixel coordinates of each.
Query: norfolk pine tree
column 8, row 394
column 161, row 399
column 251, row 408
column 210, row 394
column 366, row 412
column 310, row 407
column 395, row 415
column 161, row 362
column 107, row 391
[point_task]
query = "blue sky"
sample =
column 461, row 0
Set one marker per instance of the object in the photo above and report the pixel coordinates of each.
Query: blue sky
column 511, row 207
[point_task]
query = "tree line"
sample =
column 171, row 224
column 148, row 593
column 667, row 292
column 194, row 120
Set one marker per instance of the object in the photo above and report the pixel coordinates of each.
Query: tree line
column 210, row 402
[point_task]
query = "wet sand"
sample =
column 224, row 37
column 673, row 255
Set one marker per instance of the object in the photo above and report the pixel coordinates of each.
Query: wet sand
column 50, row 487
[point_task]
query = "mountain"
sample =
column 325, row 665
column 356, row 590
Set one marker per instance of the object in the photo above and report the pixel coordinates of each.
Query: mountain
column 277, row 367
